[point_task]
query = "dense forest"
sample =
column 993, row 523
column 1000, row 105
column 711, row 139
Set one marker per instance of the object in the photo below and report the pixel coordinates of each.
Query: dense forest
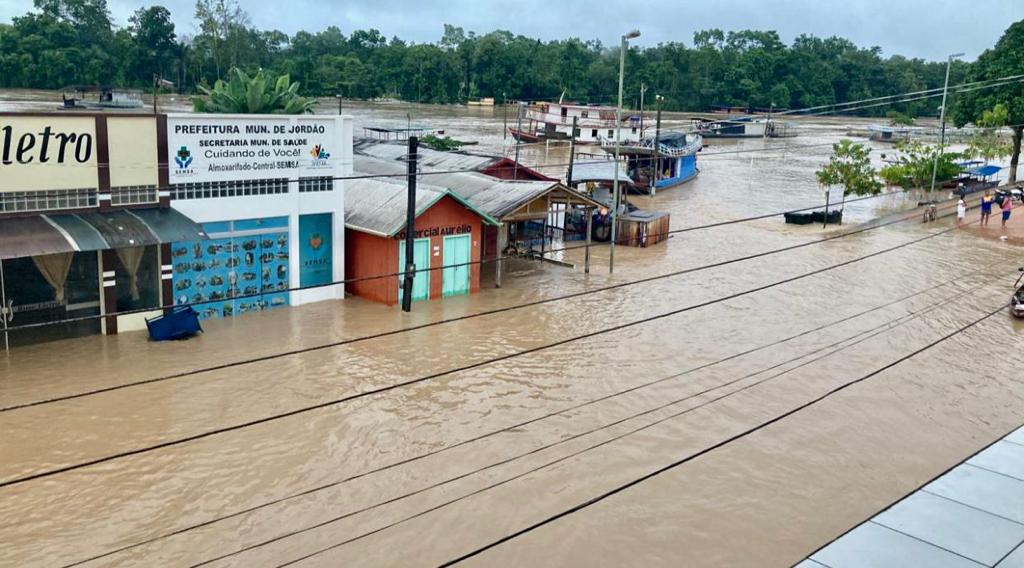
column 64, row 42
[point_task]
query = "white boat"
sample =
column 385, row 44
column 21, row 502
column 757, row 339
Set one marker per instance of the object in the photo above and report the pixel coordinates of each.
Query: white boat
column 743, row 127
column 594, row 123
column 105, row 98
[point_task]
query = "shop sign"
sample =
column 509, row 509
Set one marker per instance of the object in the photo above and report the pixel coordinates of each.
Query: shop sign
column 315, row 254
column 463, row 229
column 47, row 152
column 207, row 148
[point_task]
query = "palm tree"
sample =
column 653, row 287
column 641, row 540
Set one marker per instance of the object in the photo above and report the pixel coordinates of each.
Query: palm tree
column 262, row 93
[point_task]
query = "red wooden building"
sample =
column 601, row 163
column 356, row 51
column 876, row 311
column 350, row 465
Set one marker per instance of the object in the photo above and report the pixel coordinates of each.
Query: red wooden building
column 449, row 232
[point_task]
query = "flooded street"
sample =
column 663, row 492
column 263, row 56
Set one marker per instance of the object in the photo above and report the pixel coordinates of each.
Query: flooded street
column 626, row 419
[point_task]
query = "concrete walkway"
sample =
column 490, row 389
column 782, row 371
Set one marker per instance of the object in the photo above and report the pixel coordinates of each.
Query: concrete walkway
column 971, row 516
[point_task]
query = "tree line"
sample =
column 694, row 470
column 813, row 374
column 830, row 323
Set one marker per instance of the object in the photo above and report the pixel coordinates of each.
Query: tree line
column 64, row 42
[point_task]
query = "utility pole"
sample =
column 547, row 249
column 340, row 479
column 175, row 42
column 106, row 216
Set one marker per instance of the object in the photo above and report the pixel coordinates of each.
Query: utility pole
column 657, row 145
column 519, row 131
column 572, row 152
column 942, row 135
column 643, row 89
column 410, row 227
column 504, row 124
column 618, row 142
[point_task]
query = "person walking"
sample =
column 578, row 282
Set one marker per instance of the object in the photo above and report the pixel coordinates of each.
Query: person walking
column 986, row 207
column 961, row 212
column 1007, row 208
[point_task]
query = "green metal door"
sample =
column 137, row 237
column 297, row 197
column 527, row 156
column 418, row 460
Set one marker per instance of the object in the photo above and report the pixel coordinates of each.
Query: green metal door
column 420, row 256
column 455, row 279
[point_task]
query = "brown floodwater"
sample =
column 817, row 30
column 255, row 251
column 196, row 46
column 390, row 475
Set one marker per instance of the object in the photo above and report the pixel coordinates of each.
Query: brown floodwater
column 119, row 452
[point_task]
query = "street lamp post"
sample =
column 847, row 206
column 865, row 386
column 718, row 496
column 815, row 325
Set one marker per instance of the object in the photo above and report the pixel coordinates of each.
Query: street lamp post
column 942, row 131
column 618, row 141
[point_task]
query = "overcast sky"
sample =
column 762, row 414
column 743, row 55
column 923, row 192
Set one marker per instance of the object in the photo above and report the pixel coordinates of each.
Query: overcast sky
column 931, row 29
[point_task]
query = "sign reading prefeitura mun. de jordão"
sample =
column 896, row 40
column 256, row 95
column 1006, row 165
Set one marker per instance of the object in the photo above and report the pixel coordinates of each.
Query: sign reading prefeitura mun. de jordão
column 210, row 148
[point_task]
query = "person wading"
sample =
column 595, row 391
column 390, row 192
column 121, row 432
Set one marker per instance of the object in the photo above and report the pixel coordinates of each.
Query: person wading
column 961, row 212
column 1007, row 208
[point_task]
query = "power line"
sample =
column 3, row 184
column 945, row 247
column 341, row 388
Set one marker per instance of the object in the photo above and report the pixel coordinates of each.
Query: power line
column 563, row 440
column 713, row 447
column 456, row 319
column 374, row 391
column 534, row 420
column 624, row 240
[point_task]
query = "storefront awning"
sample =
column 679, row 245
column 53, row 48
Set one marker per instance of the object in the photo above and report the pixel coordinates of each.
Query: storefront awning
column 66, row 232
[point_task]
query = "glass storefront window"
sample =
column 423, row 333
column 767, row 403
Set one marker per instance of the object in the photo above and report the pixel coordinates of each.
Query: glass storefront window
column 146, row 291
column 35, row 300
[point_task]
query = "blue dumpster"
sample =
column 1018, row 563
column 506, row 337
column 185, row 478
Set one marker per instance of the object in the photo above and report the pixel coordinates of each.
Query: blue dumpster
column 180, row 323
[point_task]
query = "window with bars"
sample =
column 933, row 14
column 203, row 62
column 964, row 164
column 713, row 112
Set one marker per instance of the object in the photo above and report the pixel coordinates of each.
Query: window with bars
column 309, row 184
column 234, row 188
column 133, row 195
column 18, row 201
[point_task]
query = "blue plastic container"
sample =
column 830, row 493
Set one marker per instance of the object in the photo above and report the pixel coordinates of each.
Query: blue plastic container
column 180, row 323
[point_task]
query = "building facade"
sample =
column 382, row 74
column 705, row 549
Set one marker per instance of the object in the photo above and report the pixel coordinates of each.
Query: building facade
column 265, row 190
column 107, row 219
column 447, row 245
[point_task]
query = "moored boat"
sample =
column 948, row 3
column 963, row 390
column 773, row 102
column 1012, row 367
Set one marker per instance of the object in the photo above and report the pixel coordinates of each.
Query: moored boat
column 743, row 127
column 106, row 97
column 672, row 162
column 553, row 121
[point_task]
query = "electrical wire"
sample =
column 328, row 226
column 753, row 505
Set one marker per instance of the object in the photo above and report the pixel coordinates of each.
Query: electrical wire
column 422, row 379
column 528, row 422
column 399, row 274
column 623, row 487
column 448, row 320
column 868, row 334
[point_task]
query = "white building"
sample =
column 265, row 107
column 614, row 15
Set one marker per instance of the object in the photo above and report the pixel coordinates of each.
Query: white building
column 265, row 190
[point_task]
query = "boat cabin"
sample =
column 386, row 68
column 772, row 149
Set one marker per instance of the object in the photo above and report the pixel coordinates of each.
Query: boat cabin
column 594, row 123
column 95, row 97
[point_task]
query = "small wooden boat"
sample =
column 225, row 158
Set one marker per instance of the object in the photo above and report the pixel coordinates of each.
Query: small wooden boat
column 523, row 136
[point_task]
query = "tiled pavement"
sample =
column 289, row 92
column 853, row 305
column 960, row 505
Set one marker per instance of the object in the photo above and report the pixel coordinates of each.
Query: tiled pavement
column 972, row 516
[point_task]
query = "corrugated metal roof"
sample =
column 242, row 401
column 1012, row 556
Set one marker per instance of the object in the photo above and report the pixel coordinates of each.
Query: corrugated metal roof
column 378, row 206
column 429, row 159
column 494, row 197
column 598, row 171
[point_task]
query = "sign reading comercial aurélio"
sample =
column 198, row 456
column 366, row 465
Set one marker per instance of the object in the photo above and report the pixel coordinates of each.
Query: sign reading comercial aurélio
column 209, row 148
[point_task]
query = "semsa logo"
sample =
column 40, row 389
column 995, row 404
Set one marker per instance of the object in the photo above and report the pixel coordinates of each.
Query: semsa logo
column 183, row 159
column 44, row 146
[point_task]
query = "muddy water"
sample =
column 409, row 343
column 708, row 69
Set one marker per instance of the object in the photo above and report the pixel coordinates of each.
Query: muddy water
column 210, row 459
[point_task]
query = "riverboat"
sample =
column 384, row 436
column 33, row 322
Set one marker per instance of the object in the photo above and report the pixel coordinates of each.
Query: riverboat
column 553, row 121
column 673, row 161
column 743, row 127
column 99, row 97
